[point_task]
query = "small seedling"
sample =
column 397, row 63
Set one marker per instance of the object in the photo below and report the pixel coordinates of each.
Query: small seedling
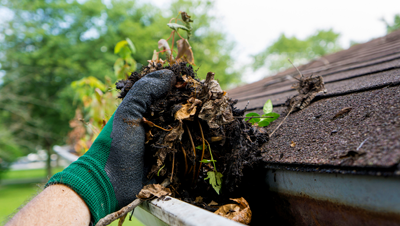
column 214, row 176
column 158, row 173
column 185, row 53
column 265, row 119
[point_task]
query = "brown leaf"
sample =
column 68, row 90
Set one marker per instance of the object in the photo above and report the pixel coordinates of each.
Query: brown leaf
column 292, row 144
column 215, row 139
column 217, row 112
column 194, row 102
column 185, row 51
column 174, row 135
column 155, row 56
column 342, row 112
column 192, row 82
column 181, row 85
column 240, row 213
column 152, row 190
column 184, row 112
column 121, row 220
column 149, row 136
column 164, row 46
column 213, row 203
column 199, row 199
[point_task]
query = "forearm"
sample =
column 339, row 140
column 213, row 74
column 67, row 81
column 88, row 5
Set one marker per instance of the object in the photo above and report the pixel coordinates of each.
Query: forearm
column 56, row 205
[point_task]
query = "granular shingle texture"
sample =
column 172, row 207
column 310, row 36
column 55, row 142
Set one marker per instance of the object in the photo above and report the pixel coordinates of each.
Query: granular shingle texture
column 364, row 78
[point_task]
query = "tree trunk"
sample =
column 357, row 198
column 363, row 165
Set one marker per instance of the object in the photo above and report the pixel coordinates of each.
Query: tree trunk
column 48, row 162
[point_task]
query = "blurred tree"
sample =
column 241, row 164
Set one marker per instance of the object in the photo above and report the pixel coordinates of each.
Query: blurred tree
column 9, row 150
column 47, row 44
column 392, row 27
column 299, row 51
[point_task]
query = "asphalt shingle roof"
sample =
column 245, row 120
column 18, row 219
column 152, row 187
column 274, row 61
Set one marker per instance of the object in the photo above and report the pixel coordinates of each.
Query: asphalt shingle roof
column 365, row 78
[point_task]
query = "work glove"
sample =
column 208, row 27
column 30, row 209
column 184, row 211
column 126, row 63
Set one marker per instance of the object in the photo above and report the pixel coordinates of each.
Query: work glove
column 110, row 174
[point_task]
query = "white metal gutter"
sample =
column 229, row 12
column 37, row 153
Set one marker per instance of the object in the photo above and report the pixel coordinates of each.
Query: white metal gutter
column 177, row 212
column 373, row 193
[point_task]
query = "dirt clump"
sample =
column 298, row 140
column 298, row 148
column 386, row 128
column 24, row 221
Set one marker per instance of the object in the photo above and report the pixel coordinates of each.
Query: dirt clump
column 308, row 88
column 197, row 137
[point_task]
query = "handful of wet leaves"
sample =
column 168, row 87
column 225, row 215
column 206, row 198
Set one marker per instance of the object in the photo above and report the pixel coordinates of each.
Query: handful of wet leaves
column 197, row 138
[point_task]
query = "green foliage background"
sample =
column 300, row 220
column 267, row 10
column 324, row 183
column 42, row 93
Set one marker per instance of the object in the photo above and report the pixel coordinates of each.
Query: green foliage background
column 299, row 51
column 392, row 27
column 50, row 43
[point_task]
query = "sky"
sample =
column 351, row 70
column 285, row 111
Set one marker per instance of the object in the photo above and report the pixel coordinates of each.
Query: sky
column 265, row 20
column 255, row 24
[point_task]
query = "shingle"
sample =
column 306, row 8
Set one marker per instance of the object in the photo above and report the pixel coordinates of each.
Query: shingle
column 366, row 78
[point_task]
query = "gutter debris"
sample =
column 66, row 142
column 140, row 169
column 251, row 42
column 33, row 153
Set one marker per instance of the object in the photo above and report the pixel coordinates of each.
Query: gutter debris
column 199, row 140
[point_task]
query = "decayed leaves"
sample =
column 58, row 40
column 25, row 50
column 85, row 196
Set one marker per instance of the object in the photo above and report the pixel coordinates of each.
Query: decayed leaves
column 199, row 199
column 174, row 135
column 213, row 203
column 237, row 212
column 185, row 51
column 164, row 47
column 186, row 19
column 198, row 105
column 192, row 83
column 185, row 112
column 217, row 112
column 151, row 190
column 308, row 88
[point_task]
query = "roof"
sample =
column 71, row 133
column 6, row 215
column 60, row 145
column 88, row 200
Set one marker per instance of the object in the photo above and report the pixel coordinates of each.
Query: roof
column 365, row 78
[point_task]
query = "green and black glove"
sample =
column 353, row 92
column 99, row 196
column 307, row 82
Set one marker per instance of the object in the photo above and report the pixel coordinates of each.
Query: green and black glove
column 111, row 172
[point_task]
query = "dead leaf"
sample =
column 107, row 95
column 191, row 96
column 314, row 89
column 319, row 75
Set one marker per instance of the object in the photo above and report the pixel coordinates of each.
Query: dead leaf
column 174, row 135
column 193, row 84
column 215, row 139
column 151, row 190
column 199, row 199
column 292, row 144
column 181, row 85
column 240, row 213
column 217, row 112
column 155, row 56
column 184, row 112
column 121, row 220
column 215, row 89
column 213, row 203
column 308, row 88
column 342, row 112
column 164, row 46
column 149, row 136
column 194, row 102
column 185, row 51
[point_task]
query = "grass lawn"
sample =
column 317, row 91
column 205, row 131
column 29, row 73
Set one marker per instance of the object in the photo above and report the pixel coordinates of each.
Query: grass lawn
column 33, row 173
column 13, row 196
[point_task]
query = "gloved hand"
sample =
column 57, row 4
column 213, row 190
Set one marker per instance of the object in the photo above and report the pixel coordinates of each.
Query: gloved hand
column 109, row 175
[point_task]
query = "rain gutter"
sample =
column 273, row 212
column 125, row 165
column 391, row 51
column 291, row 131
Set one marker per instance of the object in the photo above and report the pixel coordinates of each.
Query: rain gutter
column 311, row 198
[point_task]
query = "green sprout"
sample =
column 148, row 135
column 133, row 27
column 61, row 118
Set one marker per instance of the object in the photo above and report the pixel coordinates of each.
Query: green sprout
column 215, row 177
column 265, row 119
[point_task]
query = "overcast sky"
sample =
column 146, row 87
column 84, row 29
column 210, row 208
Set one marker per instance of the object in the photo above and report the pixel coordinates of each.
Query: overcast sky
column 265, row 20
column 355, row 20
